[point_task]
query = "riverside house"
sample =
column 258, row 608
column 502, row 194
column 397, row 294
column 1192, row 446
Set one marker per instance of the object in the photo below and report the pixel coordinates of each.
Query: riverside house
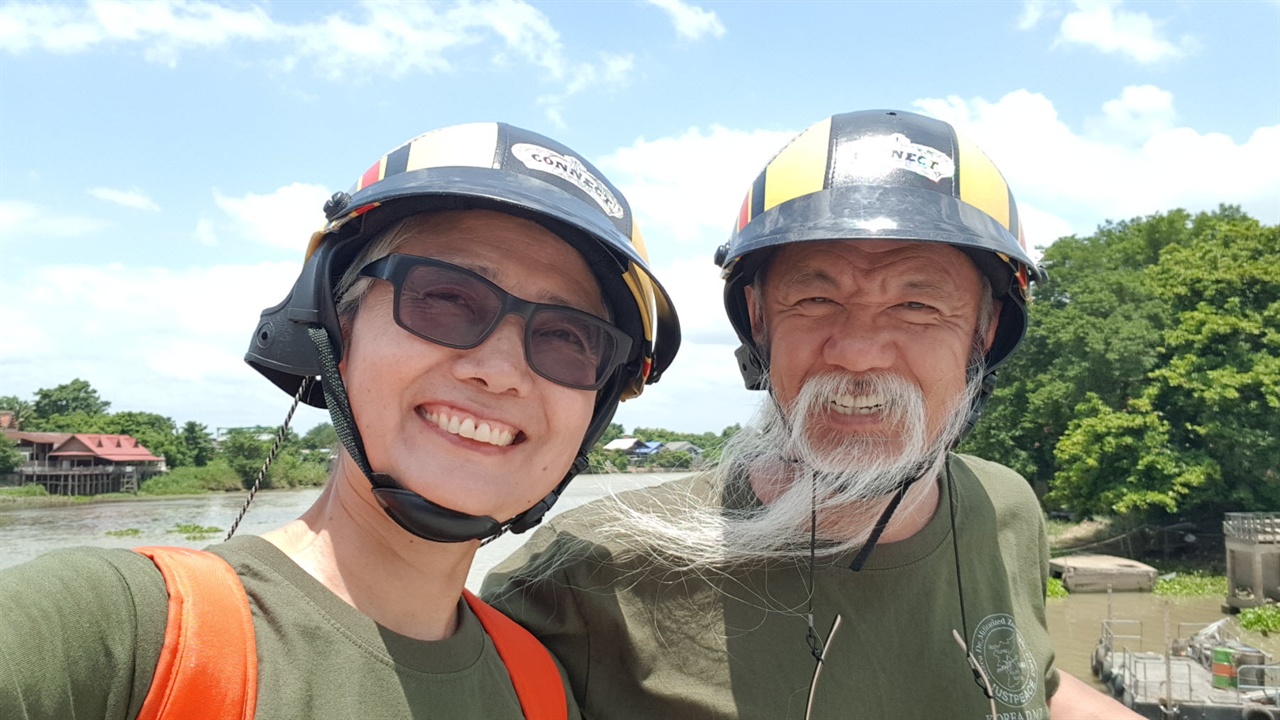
column 84, row 463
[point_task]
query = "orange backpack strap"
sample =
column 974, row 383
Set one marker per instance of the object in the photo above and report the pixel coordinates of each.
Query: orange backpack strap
column 208, row 668
column 533, row 672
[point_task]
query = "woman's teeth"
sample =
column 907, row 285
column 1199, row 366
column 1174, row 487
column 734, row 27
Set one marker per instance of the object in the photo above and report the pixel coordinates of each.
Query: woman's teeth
column 857, row 405
column 467, row 427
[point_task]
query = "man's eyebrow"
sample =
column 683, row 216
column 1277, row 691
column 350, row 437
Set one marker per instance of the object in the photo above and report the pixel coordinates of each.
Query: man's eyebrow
column 809, row 277
column 929, row 286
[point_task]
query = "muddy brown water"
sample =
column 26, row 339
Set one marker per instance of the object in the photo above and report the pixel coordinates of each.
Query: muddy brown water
column 1074, row 622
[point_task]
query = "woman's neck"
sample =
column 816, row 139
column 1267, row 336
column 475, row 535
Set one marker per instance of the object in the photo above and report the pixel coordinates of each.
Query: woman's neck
column 348, row 543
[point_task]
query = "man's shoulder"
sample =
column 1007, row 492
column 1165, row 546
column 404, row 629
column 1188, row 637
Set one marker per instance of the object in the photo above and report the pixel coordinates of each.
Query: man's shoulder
column 998, row 480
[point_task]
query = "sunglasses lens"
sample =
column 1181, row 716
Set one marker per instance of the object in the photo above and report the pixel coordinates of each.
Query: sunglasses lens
column 449, row 306
column 446, row 306
column 571, row 349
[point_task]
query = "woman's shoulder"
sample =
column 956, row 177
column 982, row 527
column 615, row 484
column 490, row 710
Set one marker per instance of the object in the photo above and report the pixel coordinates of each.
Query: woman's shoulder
column 81, row 570
column 81, row 628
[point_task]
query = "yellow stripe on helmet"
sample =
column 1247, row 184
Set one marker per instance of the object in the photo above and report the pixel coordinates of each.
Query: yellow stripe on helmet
column 801, row 167
column 981, row 184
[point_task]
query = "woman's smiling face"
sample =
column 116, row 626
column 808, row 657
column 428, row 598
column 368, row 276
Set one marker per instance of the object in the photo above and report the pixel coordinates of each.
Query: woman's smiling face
column 477, row 431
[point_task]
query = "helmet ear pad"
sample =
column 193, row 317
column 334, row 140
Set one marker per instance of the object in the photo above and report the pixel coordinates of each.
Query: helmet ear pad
column 1011, row 324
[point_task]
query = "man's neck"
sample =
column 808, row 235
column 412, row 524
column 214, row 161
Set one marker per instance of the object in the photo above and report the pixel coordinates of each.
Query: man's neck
column 915, row 511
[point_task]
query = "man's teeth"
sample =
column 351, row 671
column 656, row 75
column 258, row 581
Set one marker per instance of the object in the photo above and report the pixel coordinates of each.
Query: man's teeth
column 857, row 404
column 468, row 428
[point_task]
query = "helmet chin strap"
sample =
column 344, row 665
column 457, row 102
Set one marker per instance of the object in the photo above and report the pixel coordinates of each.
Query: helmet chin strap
column 411, row 511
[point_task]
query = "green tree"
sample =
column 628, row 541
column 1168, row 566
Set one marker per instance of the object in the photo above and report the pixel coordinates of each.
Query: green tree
column 672, row 460
column 606, row 461
column 320, row 437
column 1121, row 461
column 1096, row 327
column 199, row 443
column 10, row 458
column 1218, row 382
column 23, row 411
column 245, row 453
column 611, row 433
column 1171, row 411
column 157, row 433
column 76, row 396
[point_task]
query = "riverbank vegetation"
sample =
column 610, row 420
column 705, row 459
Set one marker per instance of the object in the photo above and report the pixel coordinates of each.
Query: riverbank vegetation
column 1264, row 620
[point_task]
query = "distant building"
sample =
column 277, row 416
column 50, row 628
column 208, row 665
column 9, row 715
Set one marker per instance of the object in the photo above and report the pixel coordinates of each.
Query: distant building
column 626, row 445
column 84, row 463
column 648, row 449
column 8, row 420
column 684, row 447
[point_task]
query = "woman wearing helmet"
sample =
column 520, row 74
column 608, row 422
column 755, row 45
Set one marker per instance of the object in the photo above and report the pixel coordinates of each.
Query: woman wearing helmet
column 471, row 315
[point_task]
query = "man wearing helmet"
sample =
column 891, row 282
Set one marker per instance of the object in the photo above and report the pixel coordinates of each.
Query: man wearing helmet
column 471, row 315
column 841, row 561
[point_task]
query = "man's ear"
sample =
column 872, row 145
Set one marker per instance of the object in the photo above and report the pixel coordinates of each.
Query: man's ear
column 754, row 311
column 993, row 325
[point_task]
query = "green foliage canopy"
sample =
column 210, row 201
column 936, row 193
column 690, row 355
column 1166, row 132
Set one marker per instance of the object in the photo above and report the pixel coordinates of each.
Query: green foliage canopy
column 70, row 398
column 1149, row 381
column 10, row 458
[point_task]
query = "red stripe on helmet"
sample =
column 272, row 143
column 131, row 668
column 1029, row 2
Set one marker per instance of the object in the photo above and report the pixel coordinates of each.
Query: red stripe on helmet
column 744, row 215
column 371, row 176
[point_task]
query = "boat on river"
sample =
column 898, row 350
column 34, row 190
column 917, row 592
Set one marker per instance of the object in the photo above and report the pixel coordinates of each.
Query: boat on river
column 1210, row 675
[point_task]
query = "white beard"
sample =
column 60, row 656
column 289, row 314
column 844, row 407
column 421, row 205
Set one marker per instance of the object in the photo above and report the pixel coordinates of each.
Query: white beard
column 801, row 468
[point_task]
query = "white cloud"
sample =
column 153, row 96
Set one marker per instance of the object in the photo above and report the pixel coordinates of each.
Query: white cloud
column 1141, row 111
column 21, row 220
column 1103, row 25
column 688, row 188
column 1133, row 160
column 170, row 341
column 128, row 198
column 1032, row 12
column 163, row 28
column 374, row 37
column 205, row 233
column 691, row 21
column 285, row 218
column 612, row 72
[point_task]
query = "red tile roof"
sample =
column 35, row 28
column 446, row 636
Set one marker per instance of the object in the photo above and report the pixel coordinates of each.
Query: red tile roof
column 116, row 448
column 40, row 438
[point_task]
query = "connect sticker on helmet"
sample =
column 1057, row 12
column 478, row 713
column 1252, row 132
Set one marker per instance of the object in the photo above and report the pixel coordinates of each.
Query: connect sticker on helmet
column 567, row 167
column 876, row 155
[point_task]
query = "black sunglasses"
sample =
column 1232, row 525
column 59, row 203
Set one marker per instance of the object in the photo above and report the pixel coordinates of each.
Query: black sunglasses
column 457, row 308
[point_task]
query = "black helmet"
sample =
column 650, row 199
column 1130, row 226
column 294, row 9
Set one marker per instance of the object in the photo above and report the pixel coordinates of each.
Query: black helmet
column 491, row 166
column 881, row 174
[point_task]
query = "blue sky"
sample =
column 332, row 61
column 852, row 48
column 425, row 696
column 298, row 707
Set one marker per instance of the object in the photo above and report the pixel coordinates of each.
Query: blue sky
column 162, row 164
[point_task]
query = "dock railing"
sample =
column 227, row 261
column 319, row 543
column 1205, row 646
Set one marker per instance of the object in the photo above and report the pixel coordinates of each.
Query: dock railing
column 1113, row 640
column 1253, row 526
column 1263, row 683
column 1172, row 683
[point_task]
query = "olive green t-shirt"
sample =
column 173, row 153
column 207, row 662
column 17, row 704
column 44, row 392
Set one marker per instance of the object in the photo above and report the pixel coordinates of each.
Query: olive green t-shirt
column 639, row 642
column 81, row 630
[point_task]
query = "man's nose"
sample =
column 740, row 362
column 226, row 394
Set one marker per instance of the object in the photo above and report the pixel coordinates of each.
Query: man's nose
column 859, row 342
column 499, row 362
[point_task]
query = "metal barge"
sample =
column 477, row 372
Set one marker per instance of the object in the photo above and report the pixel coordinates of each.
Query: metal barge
column 1208, row 676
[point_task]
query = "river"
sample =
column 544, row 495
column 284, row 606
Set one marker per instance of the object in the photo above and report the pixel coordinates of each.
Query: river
column 1074, row 622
